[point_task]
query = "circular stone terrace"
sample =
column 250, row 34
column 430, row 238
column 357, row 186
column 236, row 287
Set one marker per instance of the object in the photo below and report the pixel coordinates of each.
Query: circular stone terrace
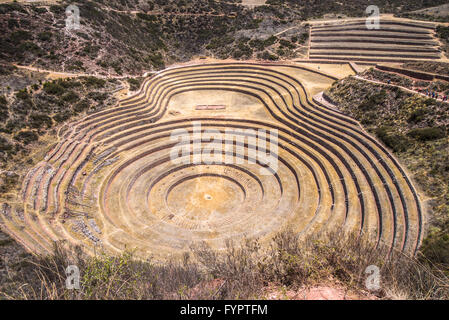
column 112, row 182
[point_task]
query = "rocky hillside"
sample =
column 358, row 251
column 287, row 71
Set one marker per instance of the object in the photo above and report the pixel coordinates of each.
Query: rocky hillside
column 416, row 128
column 30, row 114
column 129, row 37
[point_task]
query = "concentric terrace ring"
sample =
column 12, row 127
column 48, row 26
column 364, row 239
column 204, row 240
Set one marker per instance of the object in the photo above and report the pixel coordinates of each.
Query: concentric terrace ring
column 111, row 180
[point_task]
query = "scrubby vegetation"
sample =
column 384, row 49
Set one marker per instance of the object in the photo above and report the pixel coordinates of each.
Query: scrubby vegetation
column 13, row 79
column 428, row 66
column 424, row 17
column 355, row 7
column 128, row 37
column 135, row 83
column 434, row 12
column 439, row 86
column 244, row 271
column 416, row 129
column 443, row 34
column 30, row 113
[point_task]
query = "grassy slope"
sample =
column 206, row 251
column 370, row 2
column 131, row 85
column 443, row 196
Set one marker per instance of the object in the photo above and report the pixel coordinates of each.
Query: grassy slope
column 416, row 129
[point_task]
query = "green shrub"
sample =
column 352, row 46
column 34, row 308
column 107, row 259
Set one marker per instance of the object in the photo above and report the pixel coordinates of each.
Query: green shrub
column 134, row 84
column 97, row 96
column 443, row 32
column 39, row 10
column 95, row 82
column 13, row 23
column 23, row 94
column 373, row 101
column 157, row 60
column 436, row 247
column 427, row 134
column 91, row 50
column 62, row 116
column 267, row 56
column 29, row 47
column 241, row 271
column 7, row 181
column 70, row 83
column 19, row 36
column 14, row 125
column 257, row 44
column 394, row 141
column 5, row 145
column 53, row 88
column 26, row 137
column 70, row 97
column 57, row 9
column 417, row 115
column 9, row 7
column 45, row 36
column 280, row 52
column 6, row 69
column 38, row 120
column 270, row 41
column 81, row 106
column 76, row 65
column 287, row 44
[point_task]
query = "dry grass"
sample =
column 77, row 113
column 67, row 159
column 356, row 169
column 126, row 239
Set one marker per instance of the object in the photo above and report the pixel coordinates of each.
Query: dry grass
column 239, row 272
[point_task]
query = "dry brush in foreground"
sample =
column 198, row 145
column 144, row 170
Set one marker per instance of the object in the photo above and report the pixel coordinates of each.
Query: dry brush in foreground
column 239, row 272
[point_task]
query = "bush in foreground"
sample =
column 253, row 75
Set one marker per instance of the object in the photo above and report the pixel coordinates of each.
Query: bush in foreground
column 239, row 272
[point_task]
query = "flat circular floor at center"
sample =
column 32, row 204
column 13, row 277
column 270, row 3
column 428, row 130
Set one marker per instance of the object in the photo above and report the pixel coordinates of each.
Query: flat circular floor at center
column 206, row 197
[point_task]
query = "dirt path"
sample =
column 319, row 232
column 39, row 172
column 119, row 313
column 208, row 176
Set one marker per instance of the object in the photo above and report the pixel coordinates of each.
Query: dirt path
column 283, row 31
column 438, row 11
column 156, row 13
column 401, row 87
column 58, row 74
column 120, row 94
